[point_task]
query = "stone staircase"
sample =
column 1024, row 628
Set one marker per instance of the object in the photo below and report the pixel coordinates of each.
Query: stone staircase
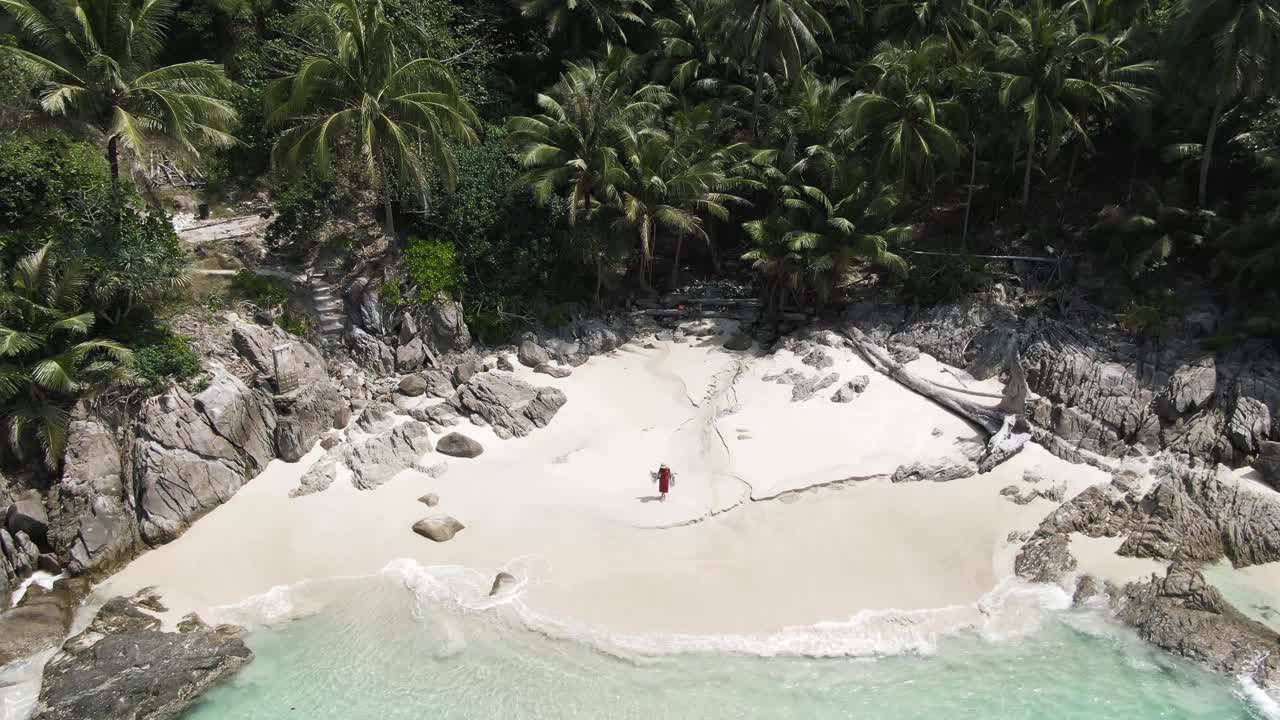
column 327, row 300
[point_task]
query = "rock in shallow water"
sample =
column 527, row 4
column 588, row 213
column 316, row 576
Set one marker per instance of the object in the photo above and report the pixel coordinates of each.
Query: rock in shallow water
column 944, row 471
column 438, row 528
column 124, row 668
column 501, row 582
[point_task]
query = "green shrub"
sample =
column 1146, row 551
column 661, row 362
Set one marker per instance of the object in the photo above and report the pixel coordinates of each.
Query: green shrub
column 294, row 323
column 391, row 294
column 433, row 267
column 260, row 289
column 161, row 355
column 488, row 326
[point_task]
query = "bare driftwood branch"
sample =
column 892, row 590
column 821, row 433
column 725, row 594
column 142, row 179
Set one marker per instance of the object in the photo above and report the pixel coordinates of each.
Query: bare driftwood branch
column 1025, row 258
column 991, row 420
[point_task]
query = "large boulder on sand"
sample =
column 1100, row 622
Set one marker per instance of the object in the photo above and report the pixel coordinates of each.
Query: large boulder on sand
column 513, row 407
column 532, row 355
column 123, row 667
column 413, row 385
column 459, row 445
column 438, row 528
column 193, row 452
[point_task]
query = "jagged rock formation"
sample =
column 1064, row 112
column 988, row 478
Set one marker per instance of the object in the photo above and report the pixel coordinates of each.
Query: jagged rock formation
column 372, row 462
column 1185, row 615
column 123, row 667
column 513, row 407
column 94, row 518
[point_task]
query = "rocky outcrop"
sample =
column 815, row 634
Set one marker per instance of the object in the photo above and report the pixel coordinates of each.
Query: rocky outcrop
column 193, row 452
column 123, row 667
column 438, row 528
column 370, row 352
column 1184, row 615
column 459, row 445
column 1268, row 462
column 1249, row 425
column 27, row 515
column 304, row 415
column 808, row 387
column 372, row 461
column 40, row 621
column 1189, row 389
column 512, row 407
column 446, row 326
column 94, row 524
column 1045, row 558
column 555, row 371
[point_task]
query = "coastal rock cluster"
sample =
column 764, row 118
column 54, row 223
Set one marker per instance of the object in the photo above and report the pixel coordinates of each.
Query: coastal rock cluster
column 124, row 667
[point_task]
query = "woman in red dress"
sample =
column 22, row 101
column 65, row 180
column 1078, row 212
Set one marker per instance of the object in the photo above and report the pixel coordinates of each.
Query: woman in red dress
column 664, row 482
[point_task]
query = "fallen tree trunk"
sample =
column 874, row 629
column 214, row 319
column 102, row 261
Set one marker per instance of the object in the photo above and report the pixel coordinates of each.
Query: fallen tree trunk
column 991, row 420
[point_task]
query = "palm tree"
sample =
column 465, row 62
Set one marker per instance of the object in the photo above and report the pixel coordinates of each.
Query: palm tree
column 772, row 35
column 95, row 59
column 606, row 16
column 670, row 189
column 369, row 95
column 905, row 115
column 1149, row 231
column 47, row 358
column 1229, row 49
column 1044, row 66
column 574, row 144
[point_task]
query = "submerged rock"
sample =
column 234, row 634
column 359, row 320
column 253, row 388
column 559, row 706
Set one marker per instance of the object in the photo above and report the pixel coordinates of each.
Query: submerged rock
column 501, row 582
column 40, row 621
column 123, row 667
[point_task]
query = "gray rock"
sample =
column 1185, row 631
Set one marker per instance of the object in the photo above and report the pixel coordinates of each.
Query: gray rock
column 410, row 355
column 501, row 582
column 328, row 442
column 942, row 471
column 1189, row 389
column 504, row 363
column 371, row 353
column 1087, row 588
column 304, row 415
column 124, row 668
column 256, row 343
column 437, row 416
column 738, row 342
column 513, row 407
column 439, row 383
column 29, row 551
column 48, row 562
column 362, row 298
column 407, row 330
column 531, row 355
column 438, row 528
column 459, row 445
column 318, row 477
column 1250, row 424
column 463, row 372
column 40, row 621
column 94, row 520
column 376, row 417
column 1268, row 462
column 378, row 459
column 413, row 385
column 555, row 371
column 851, row 389
column 449, row 332
column 192, row 453
column 430, row 499
column 1044, row 558
column 27, row 515
column 807, row 388
column 818, row 359
column 1187, row 616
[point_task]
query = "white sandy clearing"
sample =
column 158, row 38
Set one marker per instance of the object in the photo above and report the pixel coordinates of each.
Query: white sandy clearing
column 572, row 508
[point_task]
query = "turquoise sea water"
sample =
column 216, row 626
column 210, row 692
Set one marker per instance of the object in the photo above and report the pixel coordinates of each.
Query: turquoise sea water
column 378, row 651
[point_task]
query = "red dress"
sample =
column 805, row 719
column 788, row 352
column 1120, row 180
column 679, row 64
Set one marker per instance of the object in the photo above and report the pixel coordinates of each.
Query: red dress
column 664, row 480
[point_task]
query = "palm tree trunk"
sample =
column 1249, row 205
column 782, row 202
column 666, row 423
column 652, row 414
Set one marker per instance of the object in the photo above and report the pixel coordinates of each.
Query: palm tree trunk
column 1026, row 177
column 675, row 264
column 113, row 159
column 755, row 99
column 1208, row 148
column 968, row 203
column 599, row 276
column 391, row 216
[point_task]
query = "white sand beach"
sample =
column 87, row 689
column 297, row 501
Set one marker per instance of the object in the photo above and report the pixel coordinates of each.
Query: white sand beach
column 782, row 513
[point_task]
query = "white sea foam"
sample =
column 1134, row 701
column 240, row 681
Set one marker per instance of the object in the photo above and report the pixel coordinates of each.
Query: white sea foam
column 1265, row 703
column 39, row 577
column 1014, row 609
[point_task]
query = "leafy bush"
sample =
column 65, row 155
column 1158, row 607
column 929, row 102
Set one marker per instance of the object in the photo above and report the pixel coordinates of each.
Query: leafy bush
column 54, row 187
column 391, row 293
column 488, row 326
column 294, row 323
column 161, row 355
column 260, row 289
column 433, row 267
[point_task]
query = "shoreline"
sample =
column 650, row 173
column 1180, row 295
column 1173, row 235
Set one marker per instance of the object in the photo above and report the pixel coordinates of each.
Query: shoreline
column 750, row 546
